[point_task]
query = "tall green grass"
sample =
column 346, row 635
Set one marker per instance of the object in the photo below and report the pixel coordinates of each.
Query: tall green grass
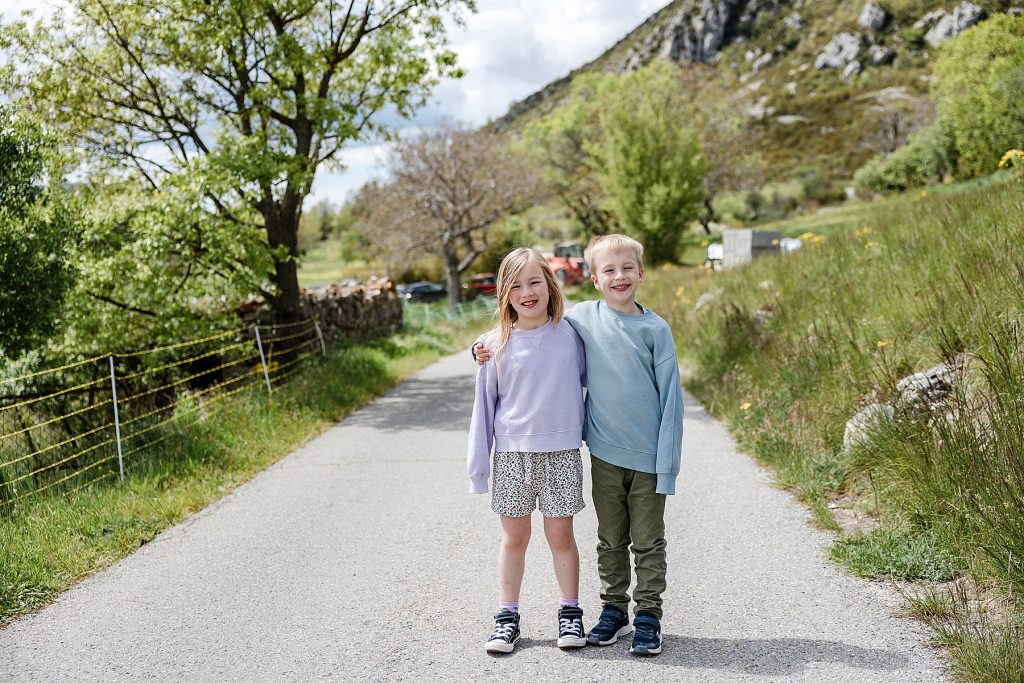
column 52, row 541
column 789, row 348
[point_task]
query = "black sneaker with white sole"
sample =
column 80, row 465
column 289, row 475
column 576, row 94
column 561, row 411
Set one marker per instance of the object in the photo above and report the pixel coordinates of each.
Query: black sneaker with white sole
column 506, row 632
column 570, row 627
column 647, row 639
column 612, row 623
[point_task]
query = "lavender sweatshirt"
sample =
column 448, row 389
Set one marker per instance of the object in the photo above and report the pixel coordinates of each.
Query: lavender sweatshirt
column 532, row 403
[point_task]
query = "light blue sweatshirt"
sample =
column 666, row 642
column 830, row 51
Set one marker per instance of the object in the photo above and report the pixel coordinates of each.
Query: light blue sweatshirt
column 634, row 401
column 531, row 402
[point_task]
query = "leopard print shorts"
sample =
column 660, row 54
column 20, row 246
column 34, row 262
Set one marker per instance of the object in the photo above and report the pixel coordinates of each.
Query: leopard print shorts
column 555, row 479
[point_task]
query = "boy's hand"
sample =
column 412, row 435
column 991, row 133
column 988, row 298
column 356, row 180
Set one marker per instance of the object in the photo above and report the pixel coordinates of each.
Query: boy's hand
column 481, row 354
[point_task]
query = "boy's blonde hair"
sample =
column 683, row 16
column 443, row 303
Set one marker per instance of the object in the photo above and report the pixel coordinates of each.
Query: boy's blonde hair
column 615, row 242
column 508, row 271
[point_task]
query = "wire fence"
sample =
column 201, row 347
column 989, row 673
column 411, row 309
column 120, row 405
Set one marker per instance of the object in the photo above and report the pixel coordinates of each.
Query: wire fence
column 66, row 428
column 423, row 314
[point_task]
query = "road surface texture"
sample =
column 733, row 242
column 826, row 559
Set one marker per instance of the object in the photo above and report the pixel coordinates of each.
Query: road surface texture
column 362, row 557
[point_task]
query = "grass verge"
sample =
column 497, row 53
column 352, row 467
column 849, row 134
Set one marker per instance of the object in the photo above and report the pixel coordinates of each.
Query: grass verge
column 52, row 542
column 787, row 349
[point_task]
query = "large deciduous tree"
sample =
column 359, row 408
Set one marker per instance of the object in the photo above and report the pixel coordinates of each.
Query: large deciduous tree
column 650, row 161
column 233, row 105
column 449, row 186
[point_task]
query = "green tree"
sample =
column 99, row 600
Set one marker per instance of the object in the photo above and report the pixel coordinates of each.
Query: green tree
column 562, row 141
column 225, row 111
column 980, row 91
column 650, row 161
column 36, row 227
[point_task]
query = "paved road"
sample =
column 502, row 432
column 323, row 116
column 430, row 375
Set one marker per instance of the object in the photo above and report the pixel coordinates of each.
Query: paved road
column 361, row 557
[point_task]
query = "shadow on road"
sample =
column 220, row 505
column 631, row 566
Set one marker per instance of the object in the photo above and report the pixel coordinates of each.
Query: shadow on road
column 765, row 657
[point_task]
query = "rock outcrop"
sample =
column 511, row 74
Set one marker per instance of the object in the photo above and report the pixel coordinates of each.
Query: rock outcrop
column 873, row 17
column 840, row 51
column 964, row 15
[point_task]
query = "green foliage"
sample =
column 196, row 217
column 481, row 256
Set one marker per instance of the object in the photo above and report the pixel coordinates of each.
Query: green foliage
column 928, row 157
column 223, row 113
column 980, row 91
column 650, row 161
column 37, row 224
column 563, row 141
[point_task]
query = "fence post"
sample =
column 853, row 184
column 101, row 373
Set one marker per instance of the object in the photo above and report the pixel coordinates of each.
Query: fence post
column 323, row 347
column 117, row 419
column 263, row 359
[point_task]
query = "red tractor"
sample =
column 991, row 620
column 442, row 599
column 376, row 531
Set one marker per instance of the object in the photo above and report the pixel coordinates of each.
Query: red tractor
column 568, row 264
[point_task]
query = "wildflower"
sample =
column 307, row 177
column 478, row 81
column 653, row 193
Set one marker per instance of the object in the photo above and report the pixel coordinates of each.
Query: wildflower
column 745, row 406
column 680, row 291
column 882, row 343
column 870, row 245
column 1012, row 157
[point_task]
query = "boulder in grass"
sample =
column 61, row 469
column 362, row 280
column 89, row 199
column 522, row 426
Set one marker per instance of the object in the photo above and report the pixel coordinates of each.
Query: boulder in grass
column 840, row 51
column 859, row 427
column 880, row 55
column 873, row 17
column 964, row 15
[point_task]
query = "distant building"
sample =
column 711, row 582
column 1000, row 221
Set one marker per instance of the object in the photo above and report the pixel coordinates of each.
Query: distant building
column 744, row 245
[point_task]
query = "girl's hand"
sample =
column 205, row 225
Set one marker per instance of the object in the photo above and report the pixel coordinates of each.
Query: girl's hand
column 481, row 354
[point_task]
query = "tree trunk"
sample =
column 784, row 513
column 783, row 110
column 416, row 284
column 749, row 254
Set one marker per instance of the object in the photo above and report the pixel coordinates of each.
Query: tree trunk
column 282, row 230
column 708, row 215
column 453, row 282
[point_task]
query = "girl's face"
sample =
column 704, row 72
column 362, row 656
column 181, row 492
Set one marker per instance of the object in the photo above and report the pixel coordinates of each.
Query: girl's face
column 529, row 297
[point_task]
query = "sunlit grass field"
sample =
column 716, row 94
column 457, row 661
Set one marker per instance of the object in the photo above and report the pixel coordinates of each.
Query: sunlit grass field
column 788, row 348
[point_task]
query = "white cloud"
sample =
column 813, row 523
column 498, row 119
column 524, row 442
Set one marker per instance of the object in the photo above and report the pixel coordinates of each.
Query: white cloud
column 509, row 50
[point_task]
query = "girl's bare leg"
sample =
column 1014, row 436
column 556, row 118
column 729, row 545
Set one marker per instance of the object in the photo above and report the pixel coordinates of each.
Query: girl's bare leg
column 564, row 554
column 512, row 556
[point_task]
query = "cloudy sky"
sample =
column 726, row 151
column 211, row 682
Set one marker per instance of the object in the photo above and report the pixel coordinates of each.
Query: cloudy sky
column 509, row 49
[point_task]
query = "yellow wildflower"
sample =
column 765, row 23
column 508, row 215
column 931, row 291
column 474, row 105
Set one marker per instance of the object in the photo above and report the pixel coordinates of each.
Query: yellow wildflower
column 679, row 292
column 870, row 245
column 745, row 406
column 882, row 343
column 1011, row 158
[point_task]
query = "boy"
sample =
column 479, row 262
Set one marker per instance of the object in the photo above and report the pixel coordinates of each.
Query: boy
column 634, row 428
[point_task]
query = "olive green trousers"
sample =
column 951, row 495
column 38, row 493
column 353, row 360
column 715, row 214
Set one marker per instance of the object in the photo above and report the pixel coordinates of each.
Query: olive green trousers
column 629, row 512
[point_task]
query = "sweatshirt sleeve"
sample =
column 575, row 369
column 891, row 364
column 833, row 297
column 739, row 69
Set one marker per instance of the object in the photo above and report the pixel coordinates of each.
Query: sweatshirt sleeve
column 670, row 434
column 481, row 428
column 582, row 353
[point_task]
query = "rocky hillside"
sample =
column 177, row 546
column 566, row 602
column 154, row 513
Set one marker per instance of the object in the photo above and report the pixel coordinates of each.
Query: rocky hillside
column 827, row 83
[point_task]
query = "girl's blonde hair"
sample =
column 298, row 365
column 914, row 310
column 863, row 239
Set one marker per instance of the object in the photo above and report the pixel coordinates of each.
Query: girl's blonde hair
column 508, row 271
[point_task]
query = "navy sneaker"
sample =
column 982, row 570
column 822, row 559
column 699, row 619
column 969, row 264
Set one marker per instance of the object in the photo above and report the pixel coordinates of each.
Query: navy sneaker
column 647, row 639
column 570, row 627
column 612, row 624
column 506, row 632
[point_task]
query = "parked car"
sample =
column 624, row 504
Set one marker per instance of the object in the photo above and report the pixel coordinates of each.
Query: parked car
column 482, row 283
column 567, row 263
column 423, row 291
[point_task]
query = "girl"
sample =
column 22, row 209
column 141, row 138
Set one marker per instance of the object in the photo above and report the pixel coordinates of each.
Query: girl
column 529, row 405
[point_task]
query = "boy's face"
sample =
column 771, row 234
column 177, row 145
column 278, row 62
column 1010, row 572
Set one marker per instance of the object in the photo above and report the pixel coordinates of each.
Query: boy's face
column 618, row 275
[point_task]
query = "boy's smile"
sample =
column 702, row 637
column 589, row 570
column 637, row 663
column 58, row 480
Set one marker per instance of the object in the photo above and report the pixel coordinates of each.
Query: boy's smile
column 618, row 276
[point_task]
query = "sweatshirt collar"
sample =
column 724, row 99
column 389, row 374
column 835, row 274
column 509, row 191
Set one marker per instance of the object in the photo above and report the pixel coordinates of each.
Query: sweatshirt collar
column 626, row 316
